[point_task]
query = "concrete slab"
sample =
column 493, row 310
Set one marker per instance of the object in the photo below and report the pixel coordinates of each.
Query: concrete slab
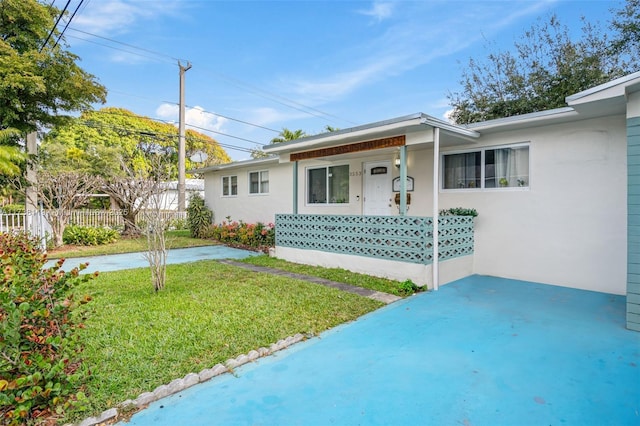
column 115, row 262
column 480, row 351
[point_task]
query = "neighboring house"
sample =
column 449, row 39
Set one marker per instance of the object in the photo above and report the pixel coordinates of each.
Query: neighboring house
column 169, row 198
column 551, row 189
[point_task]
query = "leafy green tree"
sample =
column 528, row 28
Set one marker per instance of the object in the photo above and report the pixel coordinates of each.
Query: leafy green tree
column 626, row 25
column 11, row 157
column 546, row 67
column 38, row 83
column 109, row 138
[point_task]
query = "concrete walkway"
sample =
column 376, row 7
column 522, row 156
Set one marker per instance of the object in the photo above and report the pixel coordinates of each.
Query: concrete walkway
column 365, row 292
column 116, row 262
column 480, row 351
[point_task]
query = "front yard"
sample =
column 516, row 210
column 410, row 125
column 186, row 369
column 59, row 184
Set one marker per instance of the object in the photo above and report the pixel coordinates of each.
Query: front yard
column 136, row 340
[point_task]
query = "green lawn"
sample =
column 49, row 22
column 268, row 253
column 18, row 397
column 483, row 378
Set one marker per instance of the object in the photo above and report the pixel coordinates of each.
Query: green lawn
column 136, row 340
column 175, row 239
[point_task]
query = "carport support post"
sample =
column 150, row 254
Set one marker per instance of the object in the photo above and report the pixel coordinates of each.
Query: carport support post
column 436, row 207
column 403, row 180
column 295, row 187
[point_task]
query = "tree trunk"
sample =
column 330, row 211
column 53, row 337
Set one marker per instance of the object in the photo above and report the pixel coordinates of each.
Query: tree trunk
column 130, row 227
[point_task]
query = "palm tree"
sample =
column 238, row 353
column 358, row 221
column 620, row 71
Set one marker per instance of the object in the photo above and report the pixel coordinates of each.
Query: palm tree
column 287, row 135
column 284, row 136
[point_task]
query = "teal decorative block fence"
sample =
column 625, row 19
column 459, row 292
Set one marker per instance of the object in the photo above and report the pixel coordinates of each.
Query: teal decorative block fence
column 400, row 238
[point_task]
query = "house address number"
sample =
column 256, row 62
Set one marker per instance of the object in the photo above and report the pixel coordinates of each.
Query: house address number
column 356, row 173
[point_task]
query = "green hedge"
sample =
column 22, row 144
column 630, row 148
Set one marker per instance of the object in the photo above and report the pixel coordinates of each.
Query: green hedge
column 89, row 236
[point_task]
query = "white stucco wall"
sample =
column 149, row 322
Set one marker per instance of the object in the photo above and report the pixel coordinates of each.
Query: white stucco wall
column 250, row 208
column 569, row 228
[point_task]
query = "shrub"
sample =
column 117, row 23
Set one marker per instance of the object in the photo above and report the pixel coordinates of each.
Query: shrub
column 12, row 208
column 459, row 211
column 89, row 236
column 199, row 216
column 256, row 235
column 408, row 287
column 42, row 373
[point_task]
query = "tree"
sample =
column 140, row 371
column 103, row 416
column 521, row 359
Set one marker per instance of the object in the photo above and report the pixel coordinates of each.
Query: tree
column 545, row 68
column 287, row 135
column 626, row 24
column 11, row 157
column 39, row 82
column 62, row 192
column 128, row 135
column 284, row 136
column 123, row 147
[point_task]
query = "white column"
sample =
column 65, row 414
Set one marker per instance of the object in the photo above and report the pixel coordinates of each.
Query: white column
column 436, row 207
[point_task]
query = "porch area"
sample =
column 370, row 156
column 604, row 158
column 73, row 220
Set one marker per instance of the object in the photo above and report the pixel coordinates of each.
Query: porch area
column 395, row 247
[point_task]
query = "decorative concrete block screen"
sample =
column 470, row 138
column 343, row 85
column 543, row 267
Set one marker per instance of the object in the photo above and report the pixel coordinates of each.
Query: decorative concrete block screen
column 400, row 238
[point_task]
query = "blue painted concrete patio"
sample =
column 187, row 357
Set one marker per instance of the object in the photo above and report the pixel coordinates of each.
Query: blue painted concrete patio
column 481, row 351
column 115, row 262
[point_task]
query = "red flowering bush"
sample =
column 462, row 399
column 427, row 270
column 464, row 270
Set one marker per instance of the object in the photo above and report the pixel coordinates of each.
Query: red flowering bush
column 256, row 235
column 41, row 372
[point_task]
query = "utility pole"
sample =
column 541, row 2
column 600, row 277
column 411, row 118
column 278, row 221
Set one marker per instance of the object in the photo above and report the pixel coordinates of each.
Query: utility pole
column 182, row 142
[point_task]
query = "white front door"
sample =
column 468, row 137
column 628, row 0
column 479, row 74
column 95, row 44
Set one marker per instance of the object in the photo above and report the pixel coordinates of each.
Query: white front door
column 377, row 189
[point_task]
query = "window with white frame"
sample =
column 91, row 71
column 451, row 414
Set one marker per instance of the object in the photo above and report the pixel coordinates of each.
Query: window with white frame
column 495, row 167
column 229, row 186
column 259, row 182
column 328, row 185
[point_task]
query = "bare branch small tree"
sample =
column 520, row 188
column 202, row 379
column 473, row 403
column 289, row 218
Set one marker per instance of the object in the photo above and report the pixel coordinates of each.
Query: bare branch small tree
column 156, row 222
column 60, row 193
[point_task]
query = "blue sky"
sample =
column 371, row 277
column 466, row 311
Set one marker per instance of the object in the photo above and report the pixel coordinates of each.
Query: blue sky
column 265, row 65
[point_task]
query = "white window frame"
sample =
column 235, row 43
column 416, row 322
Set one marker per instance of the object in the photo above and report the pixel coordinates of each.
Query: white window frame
column 229, row 186
column 328, row 203
column 260, row 190
column 482, row 151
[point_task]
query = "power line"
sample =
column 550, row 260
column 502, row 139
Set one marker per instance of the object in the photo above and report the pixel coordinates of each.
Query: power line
column 188, row 124
column 117, row 48
column 131, row 132
column 173, row 59
column 55, row 25
column 68, row 22
column 245, row 86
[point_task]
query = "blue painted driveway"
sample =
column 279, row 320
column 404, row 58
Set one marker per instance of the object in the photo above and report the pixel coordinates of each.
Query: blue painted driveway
column 115, row 262
column 480, row 351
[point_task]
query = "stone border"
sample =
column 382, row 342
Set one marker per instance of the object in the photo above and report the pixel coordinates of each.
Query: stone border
column 191, row 379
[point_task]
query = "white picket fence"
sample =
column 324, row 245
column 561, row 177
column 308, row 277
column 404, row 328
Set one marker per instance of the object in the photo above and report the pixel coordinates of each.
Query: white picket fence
column 33, row 223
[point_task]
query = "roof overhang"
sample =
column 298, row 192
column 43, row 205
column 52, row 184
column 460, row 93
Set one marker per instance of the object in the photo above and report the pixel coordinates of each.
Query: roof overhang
column 237, row 164
column 406, row 125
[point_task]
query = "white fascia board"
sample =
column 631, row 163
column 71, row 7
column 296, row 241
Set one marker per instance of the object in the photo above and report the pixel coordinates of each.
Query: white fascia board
column 524, row 120
column 236, row 164
column 369, row 131
column 614, row 88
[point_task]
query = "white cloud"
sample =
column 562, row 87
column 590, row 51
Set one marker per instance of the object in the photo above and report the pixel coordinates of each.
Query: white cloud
column 379, row 10
column 195, row 118
column 411, row 42
column 107, row 17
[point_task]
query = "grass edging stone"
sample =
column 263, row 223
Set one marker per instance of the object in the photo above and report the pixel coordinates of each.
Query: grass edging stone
column 191, row 379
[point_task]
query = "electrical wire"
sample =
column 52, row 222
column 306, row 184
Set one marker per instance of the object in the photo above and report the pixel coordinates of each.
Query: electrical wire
column 237, row 83
column 118, row 48
column 125, row 44
column 55, row 25
column 129, row 132
column 67, row 24
column 186, row 124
